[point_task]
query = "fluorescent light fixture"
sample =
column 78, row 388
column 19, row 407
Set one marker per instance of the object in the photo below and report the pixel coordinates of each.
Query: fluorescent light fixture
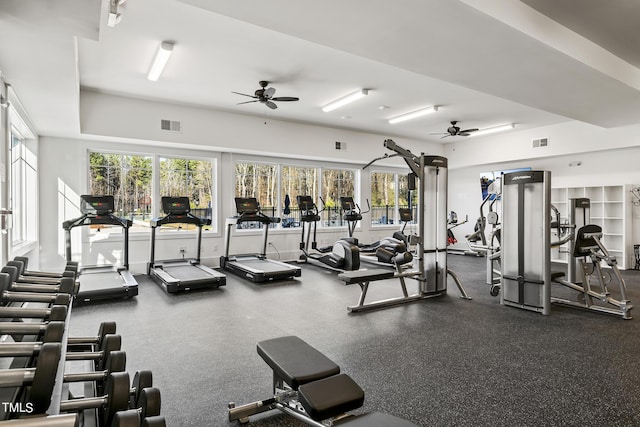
column 413, row 114
column 493, row 129
column 162, row 56
column 345, row 100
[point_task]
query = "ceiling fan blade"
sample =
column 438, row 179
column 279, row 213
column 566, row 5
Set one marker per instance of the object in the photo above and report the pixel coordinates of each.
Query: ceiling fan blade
column 244, row 94
column 268, row 92
column 438, row 133
column 285, row 98
column 271, row 105
column 246, row 102
column 463, row 134
column 446, row 135
column 468, row 130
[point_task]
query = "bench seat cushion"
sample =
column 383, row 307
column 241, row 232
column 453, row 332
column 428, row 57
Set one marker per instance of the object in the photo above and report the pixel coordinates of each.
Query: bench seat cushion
column 377, row 419
column 295, row 361
column 361, row 276
column 329, row 397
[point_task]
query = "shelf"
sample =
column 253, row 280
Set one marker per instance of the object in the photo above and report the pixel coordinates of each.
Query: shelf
column 610, row 210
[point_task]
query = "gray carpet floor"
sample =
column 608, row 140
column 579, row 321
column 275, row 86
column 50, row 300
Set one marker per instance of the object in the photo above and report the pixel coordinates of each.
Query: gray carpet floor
column 439, row 362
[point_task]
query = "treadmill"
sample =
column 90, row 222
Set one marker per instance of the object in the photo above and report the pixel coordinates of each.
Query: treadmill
column 181, row 274
column 255, row 267
column 102, row 282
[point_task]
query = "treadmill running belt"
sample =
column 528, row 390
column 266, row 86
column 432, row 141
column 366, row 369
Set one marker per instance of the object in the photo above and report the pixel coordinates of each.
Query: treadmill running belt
column 104, row 280
column 187, row 272
column 264, row 265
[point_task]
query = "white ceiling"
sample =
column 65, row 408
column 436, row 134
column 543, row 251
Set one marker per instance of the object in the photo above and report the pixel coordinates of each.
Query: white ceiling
column 483, row 62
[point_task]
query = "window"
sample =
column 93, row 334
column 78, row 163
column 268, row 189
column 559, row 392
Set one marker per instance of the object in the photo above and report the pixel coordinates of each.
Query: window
column 336, row 183
column 129, row 179
column 259, row 181
column 385, row 199
column 189, row 178
column 24, row 189
column 132, row 178
column 277, row 186
column 296, row 181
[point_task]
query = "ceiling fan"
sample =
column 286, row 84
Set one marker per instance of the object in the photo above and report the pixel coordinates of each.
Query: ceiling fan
column 265, row 96
column 454, row 130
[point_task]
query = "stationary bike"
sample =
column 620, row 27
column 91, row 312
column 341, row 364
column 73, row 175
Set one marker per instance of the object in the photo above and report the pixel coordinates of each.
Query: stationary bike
column 343, row 255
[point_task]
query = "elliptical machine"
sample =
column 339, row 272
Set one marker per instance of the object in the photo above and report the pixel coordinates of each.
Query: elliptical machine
column 386, row 249
column 342, row 256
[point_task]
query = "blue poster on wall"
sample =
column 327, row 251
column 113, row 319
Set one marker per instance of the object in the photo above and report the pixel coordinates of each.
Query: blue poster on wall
column 491, row 182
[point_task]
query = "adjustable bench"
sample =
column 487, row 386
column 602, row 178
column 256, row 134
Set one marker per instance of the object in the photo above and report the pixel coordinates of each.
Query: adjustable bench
column 309, row 386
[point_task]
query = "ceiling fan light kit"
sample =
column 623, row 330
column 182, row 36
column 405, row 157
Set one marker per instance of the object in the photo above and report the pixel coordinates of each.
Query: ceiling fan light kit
column 160, row 60
column 413, row 114
column 345, row 100
column 494, row 129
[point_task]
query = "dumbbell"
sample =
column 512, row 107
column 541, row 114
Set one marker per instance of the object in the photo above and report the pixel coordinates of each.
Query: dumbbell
column 71, row 266
column 66, row 420
column 7, row 296
column 46, row 332
column 91, row 343
column 111, row 342
column 55, row 312
column 22, row 278
column 115, row 399
column 116, row 361
column 66, row 285
column 145, row 404
column 40, row 379
column 133, row 418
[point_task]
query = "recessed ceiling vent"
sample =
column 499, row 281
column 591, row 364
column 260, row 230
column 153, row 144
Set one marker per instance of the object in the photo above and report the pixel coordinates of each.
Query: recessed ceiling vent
column 170, row 125
column 341, row 145
column 540, row 142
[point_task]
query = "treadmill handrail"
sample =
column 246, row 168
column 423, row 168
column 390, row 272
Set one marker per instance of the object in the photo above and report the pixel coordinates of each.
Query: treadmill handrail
column 89, row 219
column 186, row 218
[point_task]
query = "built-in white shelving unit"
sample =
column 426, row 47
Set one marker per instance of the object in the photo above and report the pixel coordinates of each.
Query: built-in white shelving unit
column 610, row 209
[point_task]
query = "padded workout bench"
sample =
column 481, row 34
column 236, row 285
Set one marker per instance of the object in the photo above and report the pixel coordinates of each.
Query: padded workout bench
column 309, row 386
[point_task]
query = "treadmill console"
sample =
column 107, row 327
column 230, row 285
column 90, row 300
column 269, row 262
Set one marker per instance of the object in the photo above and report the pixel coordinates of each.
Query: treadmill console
column 247, row 205
column 305, row 203
column 96, row 205
column 175, row 205
column 405, row 214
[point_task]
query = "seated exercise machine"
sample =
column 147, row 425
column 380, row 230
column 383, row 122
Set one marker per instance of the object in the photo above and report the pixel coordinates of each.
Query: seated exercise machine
column 308, row 386
column 353, row 214
column 255, row 267
column 585, row 274
column 429, row 268
column 342, row 256
column 181, row 274
column 526, row 245
column 102, row 281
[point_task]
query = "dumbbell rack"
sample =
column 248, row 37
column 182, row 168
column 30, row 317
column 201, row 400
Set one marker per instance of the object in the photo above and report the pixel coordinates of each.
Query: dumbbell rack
column 42, row 366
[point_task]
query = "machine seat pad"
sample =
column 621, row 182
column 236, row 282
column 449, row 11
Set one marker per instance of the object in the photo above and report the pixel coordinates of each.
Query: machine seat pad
column 361, row 276
column 556, row 274
column 330, row 397
column 295, row 361
column 377, row 419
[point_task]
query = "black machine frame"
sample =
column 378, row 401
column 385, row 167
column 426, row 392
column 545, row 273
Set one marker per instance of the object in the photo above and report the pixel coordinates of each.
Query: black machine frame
column 102, row 281
column 176, row 275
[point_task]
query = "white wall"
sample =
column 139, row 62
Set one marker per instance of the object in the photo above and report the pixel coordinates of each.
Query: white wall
column 132, row 126
column 608, row 157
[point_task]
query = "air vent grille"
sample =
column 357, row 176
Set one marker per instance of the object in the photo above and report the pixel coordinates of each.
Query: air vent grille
column 170, row 125
column 540, row 142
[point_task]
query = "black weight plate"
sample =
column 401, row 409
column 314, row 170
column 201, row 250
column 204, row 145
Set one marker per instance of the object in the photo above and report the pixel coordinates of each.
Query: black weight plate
column 45, row 376
column 149, row 403
column 116, row 361
column 54, row 332
column 141, row 380
column 117, row 390
column 158, row 421
column 130, row 418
